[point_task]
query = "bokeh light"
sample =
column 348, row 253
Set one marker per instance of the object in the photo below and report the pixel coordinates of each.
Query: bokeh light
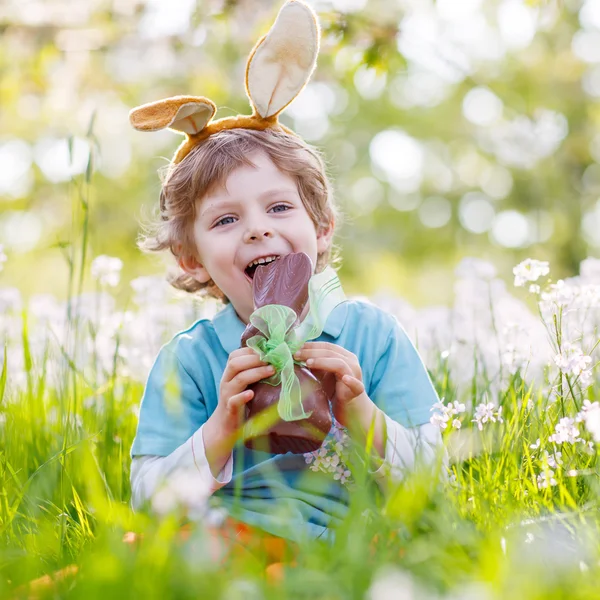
column 15, row 173
column 510, row 229
column 435, row 212
column 517, row 23
column 590, row 224
column 399, row 157
column 20, row 230
column 369, row 83
column 481, row 106
column 367, row 194
column 541, row 225
column 496, row 181
column 403, row 202
column 57, row 162
column 476, row 212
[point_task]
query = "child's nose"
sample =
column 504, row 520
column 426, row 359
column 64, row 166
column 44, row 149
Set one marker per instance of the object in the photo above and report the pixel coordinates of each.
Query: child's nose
column 255, row 233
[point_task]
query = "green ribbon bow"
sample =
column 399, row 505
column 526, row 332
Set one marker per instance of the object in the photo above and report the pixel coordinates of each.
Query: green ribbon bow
column 279, row 341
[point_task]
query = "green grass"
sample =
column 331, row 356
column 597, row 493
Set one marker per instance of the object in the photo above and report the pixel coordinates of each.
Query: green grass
column 485, row 529
column 64, row 492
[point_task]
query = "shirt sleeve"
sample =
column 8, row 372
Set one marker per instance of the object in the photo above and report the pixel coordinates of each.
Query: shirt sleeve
column 171, row 410
column 182, row 477
column 407, row 449
column 400, row 384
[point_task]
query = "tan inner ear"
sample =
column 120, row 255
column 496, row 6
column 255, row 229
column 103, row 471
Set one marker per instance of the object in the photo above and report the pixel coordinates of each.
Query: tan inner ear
column 284, row 60
column 188, row 114
column 191, row 118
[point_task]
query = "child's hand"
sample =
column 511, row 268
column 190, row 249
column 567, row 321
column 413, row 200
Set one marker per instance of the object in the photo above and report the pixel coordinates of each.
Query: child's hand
column 243, row 368
column 351, row 400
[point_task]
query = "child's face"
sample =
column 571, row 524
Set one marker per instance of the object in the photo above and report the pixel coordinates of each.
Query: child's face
column 260, row 214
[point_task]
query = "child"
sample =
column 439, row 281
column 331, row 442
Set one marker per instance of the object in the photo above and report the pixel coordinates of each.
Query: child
column 239, row 190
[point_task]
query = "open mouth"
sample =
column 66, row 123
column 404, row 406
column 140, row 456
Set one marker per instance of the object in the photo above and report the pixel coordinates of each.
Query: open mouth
column 250, row 270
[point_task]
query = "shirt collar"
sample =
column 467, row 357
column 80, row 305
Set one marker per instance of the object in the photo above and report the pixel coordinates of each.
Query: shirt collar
column 229, row 327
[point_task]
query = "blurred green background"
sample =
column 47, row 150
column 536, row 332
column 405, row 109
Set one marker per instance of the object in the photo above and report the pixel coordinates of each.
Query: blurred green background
column 452, row 128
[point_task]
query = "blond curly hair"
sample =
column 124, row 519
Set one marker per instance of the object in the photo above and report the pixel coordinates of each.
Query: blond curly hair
column 208, row 165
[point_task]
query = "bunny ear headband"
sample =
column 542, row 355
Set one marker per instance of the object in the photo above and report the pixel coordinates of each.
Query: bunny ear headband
column 277, row 70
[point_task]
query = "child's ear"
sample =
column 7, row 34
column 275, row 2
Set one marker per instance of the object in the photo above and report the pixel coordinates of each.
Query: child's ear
column 194, row 268
column 325, row 236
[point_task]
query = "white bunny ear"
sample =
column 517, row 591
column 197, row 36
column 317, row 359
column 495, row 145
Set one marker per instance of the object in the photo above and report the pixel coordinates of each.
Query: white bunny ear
column 188, row 114
column 282, row 62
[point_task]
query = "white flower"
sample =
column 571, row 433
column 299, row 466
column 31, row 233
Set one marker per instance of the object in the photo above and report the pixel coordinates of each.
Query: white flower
column 3, row 257
column 590, row 269
column 513, row 358
column 546, row 479
column 553, row 460
column 585, row 378
column 485, row 412
column 149, row 290
column 441, row 418
column 534, row 288
column 530, row 270
column 107, row 270
column 456, row 424
column 586, row 408
column 10, row 300
column 572, row 360
column 565, row 432
column 558, row 295
column 333, row 455
column 590, row 414
column 536, row 445
column 439, row 406
column 456, row 407
column 342, row 474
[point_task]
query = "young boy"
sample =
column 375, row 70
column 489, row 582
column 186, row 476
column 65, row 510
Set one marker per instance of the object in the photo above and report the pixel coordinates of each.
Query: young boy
column 242, row 193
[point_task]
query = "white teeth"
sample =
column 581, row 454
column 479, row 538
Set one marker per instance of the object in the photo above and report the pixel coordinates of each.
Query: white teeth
column 260, row 261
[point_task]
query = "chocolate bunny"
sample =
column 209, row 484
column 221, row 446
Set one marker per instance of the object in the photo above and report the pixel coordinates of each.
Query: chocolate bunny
column 285, row 282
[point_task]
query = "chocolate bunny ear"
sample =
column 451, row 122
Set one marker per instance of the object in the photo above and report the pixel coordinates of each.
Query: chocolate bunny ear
column 188, row 114
column 282, row 61
column 283, row 281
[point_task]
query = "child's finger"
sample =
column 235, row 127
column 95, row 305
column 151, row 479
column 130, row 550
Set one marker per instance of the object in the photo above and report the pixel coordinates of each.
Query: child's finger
column 356, row 386
column 243, row 379
column 239, row 400
column 241, row 352
column 333, row 365
column 242, row 364
column 327, row 347
column 305, row 353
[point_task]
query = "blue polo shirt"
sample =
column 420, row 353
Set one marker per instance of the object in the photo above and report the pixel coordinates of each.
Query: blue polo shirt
column 278, row 493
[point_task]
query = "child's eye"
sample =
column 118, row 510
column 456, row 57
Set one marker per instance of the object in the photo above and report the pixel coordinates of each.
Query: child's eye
column 276, row 208
column 280, row 205
column 221, row 221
